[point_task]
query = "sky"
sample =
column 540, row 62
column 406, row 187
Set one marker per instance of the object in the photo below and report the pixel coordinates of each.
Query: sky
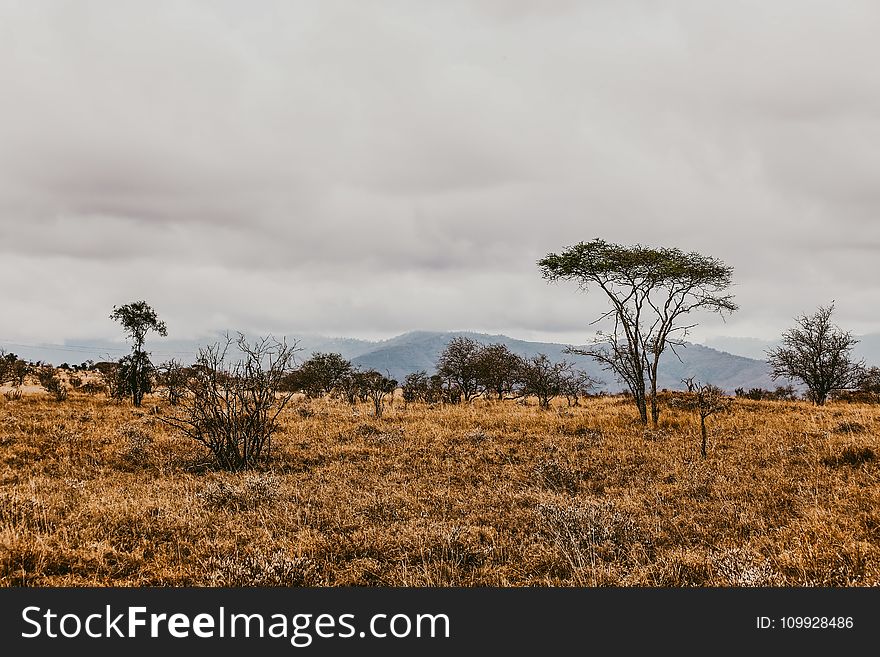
column 364, row 169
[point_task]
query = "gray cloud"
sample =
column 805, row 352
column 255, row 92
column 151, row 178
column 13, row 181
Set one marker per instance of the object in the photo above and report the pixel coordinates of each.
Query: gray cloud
column 365, row 169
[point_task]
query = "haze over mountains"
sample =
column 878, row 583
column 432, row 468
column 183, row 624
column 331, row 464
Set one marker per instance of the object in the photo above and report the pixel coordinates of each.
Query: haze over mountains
column 418, row 350
column 868, row 347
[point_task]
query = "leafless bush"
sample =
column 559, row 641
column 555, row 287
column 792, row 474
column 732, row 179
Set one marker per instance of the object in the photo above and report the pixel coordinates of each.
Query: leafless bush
column 173, row 377
column 232, row 406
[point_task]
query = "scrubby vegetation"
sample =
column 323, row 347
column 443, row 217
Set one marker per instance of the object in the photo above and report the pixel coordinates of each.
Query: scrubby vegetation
column 493, row 493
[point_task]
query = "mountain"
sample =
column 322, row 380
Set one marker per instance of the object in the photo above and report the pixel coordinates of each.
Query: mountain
column 419, row 350
column 868, row 347
column 162, row 349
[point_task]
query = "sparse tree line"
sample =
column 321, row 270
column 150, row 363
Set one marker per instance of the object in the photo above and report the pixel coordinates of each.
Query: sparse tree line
column 467, row 369
column 230, row 398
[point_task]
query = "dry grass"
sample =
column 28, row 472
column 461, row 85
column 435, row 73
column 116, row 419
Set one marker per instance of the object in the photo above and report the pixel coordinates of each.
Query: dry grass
column 489, row 494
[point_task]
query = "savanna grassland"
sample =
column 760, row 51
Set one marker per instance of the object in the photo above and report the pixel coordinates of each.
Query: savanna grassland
column 96, row 492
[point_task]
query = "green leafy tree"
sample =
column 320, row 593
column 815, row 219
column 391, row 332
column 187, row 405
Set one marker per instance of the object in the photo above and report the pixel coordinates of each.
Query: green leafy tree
column 651, row 292
column 322, row 374
column 138, row 319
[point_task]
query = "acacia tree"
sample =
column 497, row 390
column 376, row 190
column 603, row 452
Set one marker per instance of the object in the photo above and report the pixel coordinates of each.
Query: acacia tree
column 818, row 353
column 650, row 291
column 138, row 318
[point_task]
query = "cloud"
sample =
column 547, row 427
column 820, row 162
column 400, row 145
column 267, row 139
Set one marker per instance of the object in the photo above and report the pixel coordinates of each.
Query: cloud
column 364, row 169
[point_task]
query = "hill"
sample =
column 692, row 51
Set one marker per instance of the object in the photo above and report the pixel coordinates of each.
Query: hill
column 419, row 350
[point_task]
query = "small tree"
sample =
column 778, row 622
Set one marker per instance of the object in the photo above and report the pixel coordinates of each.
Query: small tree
column 138, row 319
column 233, row 405
column 349, row 386
column 114, row 385
column 869, row 382
column 459, row 366
column 817, row 353
column 416, row 387
column 541, row 377
column 497, row 369
column 13, row 369
column 322, row 373
column 378, row 387
column 575, row 384
column 5, row 366
column 710, row 400
column 705, row 399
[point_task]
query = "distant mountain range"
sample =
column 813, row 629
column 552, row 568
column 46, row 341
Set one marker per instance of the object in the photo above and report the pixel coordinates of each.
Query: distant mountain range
column 724, row 362
column 419, row 350
column 867, row 348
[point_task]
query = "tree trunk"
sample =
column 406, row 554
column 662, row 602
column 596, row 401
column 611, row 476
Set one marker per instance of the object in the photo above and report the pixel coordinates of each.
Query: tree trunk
column 703, row 432
column 655, row 407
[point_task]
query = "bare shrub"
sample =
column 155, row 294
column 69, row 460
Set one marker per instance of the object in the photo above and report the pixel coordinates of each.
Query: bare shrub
column 476, row 436
column 173, row 377
column 232, row 406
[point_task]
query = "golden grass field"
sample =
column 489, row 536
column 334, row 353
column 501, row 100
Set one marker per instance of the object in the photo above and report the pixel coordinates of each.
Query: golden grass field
column 96, row 493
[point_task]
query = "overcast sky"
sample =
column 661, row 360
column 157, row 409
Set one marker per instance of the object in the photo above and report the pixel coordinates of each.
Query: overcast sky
column 367, row 168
